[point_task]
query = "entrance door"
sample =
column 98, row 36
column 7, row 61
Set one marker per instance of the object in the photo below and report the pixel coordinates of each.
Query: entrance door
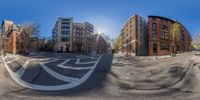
column 67, row 47
column 78, row 47
column 154, row 48
column 61, row 49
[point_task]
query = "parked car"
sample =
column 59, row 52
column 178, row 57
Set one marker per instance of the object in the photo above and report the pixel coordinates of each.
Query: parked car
column 197, row 52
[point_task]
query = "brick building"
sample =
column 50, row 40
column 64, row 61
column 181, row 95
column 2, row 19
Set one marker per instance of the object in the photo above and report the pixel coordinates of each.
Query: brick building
column 10, row 34
column 87, row 37
column 134, row 34
column 82, row 37
column 160, row 38
column 77, row 37
column 154, row 38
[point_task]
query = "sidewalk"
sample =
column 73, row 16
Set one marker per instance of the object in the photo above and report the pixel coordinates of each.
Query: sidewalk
column 145, row 75
column 7, row 84
column 149, row 57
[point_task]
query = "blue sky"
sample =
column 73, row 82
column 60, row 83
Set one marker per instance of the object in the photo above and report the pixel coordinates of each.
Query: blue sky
column 108, row 16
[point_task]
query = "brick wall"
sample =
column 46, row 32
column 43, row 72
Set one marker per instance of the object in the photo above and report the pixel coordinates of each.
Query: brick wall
column 163, row 25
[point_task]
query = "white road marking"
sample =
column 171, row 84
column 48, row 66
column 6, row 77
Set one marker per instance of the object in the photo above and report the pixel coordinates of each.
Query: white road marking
column 57, row 75
column 50, row 88
column 74, row 68
column 12, row 60
column 78, row 62
column 21, row 71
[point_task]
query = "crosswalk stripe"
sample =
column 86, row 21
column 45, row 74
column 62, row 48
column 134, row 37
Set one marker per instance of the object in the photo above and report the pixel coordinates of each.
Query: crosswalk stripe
column 57, row 75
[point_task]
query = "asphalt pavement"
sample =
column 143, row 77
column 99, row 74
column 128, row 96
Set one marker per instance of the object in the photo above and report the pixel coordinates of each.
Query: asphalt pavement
column 56, row 75
column 90, row 77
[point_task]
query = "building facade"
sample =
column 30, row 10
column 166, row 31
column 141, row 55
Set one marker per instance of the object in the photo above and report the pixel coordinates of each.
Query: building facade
column 10, row 35
column 99, row 44
column 87, row 37
column 160, row 37
column 77, row 37
column 153, row 38
column 72, row 37
column 62, row 35
column 134, row 34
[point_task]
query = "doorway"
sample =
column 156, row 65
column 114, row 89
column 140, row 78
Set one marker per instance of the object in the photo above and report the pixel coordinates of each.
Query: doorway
column 154, row 48
column 67, row 48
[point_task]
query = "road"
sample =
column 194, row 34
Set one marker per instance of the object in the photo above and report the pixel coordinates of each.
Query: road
column 88, row 77
column 47, row 75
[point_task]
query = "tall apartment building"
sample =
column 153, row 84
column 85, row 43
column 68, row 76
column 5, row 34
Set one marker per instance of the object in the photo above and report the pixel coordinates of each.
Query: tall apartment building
column 134, row 34
column 72, row 37
column 62, row 34
column 160, row 38
column 77, row 37
column 88, row 32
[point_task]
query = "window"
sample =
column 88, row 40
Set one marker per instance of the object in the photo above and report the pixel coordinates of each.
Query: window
column 154, row 35
column 163, row 27
column 153, row 19
column 65, row 39
column 63, row 32
column 164, row 35
column 17, row 45
column 164, row 46
column 153, row 27
column 162, row 20
column 65, row 27
column 66, row 23
column 65, row 19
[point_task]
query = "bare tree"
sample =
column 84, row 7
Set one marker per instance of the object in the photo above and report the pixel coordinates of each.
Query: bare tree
column 29, row 34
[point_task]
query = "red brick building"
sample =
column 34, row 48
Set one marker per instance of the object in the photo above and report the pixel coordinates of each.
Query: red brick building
column 11, row 33
column 160, row 38
column 134, row 34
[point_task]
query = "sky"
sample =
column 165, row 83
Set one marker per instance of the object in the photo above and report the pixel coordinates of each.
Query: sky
column 108, row 16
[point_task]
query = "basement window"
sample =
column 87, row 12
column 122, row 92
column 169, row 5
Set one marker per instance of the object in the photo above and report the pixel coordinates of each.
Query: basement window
column 164, row 46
